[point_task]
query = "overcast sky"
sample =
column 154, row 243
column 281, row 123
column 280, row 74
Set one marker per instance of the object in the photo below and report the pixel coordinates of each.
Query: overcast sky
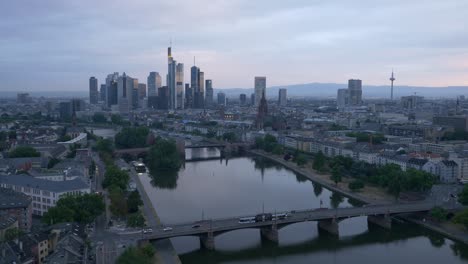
column 58, row 45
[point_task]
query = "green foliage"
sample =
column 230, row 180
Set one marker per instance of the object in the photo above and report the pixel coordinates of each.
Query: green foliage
column 335, row 127
column 12, row 234
column 99, row 118
column 105, row 145
column 229, row 136
column 163, row 155
column 365, row 137
column 136, row 220
column 300, row 159
column 136, row 255
column 117, row 120
column 356, row 185
column 134, row 201
column 118, row 204
column 345, row 162
column 439, row 214
column 115, row 177
column 319, row 161
column 463, row 196
column 75, row 208
column 278, row 150
column 461, row 218
column 92, row 168
column 211, row 134
column 337, row 173
column 52, row 162
column 64, row 138
column 132, row 137
column 24, row 152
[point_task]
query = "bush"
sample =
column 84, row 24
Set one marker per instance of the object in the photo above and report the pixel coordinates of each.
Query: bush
column 356, row 185
column 24, row 152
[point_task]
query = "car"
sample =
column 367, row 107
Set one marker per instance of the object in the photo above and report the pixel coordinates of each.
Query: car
column 196, row 226
column 167, row 229
column 149, row 230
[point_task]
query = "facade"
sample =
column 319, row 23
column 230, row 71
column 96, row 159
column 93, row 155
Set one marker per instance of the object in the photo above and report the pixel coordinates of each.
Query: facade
column 222, row 99
column 17, row 205
column 259, row 89
column 171, row 80
column 411, row 102
column 180, row 86
column 111, row 89
column 141, row 91
column 188, row 96
column 23, row 98
column 355, row 92
column 243, row 99
column 447, row 171
column 459, row 123
column 102, row 93
column 209, row 93
column 66, row 110
column 282, row 97
column 44, row 194
column 342, row 99
column 154, row 82
column 93, row 90
column 125, row 93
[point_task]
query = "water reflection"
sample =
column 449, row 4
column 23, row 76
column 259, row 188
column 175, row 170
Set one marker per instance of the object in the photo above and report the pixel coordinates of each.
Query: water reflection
column 164, row 179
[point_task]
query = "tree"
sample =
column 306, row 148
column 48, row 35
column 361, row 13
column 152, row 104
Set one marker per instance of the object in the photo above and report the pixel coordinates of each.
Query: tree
column 229, row 136
column 132, row 137
column 116, row 177
column 278, row 150
column 118, row 205
column 461, row 218
column 356, row 185
column 13, row 233
column 301, row 160
column 105, row 145
column 463, row 196
column 136, row 255
column 439, row 214
column 259, row 143
column 136, row 220
column 92, row 168
column 319, row 161
column 75, row 208
column 116, row 119
column 24, row 152
column 99, row 118
column 336, row 174
column 163, row 155
column 134, row 201
column 211, row 133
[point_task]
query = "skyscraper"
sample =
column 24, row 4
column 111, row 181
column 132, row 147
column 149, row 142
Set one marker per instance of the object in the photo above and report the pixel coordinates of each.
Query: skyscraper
column 282, row 97
column 141, row 91
column 243, row 99
column 93, row 90
column 125, row 93
column 222, row 99
column 154, row 83
column 355, row 92
column 260, row 87
column 262, row 111
column 195, row 86
column 171, row 79
column 102, row 93
column 208, row 93
column 111, row 89
column 180, row 86
column 188, row 96
column 342, row 99
column 135, row 93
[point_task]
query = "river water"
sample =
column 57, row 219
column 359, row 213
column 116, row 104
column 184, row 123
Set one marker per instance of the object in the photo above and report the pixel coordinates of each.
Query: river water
column 247, row 186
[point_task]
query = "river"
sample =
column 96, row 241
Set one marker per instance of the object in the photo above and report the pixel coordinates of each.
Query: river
column 246, row 186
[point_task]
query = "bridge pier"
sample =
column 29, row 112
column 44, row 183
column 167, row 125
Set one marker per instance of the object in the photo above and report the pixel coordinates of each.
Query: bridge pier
column 207, row 241
column 270, row 233
column 384, row 221
column 329, row 225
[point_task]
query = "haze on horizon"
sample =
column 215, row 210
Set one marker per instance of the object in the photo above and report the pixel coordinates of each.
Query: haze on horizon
column 58, row 45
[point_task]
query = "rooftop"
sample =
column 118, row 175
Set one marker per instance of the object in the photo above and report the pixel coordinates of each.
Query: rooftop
column 52, row 186
column 12, row 199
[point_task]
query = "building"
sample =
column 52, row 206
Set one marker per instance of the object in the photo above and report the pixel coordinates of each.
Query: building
column 154, row 82
column 65, row 110
column 188, row 96
column 252, row 99
column 141, row 91
column 282, row 97
column 447, row 171
column 355, row 92
column 93, row 90
column 102, row 93
column 262, row 111
column 180, row 86
column 125, row 87
column 411, row 102
column 243, row 99
column 209, row 93
column 260, row 87
column 459, row 123
column 18, row 205
column 163, row 98
column 44, row 194
column 222, row 99
column 342, row 99
column 112, row 89
column 171, row 79
column 23, row 98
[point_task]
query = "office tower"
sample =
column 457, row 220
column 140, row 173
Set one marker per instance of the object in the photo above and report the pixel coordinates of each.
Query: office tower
column 252, row 99
column 198, row 97
column 188, row 96
column 125, row 93
column 23, row 98
column 102, row 93
column 163, row 98
column 180, row 86
column 171, row 80
column 243, row 99
column 222, row 99
column 153, row 101
column 282, row 97
column 111, row 89
column 262, row 111
column 154, row 82
column 208, row 93
column 141, row 91
column 78, row 105
column 135, row 93
column 66, row 110
column 260, row 87
column 342, row 98
column 392, row 79
column 201, row 90
column 93, row 90
column 355, row 92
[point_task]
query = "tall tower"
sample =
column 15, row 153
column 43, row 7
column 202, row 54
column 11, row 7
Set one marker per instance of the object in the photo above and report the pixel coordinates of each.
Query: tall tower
column 392, row 79
column 171, row 79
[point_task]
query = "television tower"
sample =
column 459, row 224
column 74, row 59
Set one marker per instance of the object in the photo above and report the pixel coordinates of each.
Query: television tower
column 392, row 79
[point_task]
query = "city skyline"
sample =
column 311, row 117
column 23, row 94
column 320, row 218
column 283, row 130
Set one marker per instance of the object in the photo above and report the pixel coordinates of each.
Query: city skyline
column 374, row 43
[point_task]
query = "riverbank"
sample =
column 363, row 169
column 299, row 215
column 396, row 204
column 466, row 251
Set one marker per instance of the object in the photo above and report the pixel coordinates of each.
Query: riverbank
column 369, row 194
column 447, row 229
column 165, row 252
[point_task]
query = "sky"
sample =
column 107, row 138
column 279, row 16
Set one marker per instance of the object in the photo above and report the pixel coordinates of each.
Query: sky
column 57, row 45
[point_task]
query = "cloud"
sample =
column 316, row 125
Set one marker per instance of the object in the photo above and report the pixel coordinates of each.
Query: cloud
column 290, row 42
